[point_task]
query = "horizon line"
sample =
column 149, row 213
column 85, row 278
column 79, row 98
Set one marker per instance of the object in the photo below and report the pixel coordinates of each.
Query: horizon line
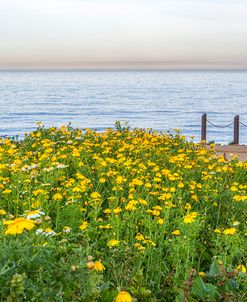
column 121, row 69
column 128, row 65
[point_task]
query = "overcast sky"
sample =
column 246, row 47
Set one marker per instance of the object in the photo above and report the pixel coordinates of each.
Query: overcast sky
column 123, row 33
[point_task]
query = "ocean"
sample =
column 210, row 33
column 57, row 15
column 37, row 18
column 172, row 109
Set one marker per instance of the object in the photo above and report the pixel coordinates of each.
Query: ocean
column 161, row 100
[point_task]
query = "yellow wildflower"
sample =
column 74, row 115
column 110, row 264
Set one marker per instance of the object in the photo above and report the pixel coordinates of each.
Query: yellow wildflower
column 139, row 246
column 234, row 189
column 142, row 201
column 57, row 196
column 190, row 217
column 241, row 268
column 95, row 195
column 218, row 231
column 2, row 212
column 84, row 225
column 123, row 296
column 136, row 182
column 131, row 206
column 98, row 266
column 7, row 191
column 107, row 211
column 102, row 180
column 139, row 237
column 160, row 220
column 202, row 274
column 18, row 225
column 187, row 206
column 230, row 231
column 113, row 242
column 119, row 180
column 156, row 212
column 105, row 227
column 117, row 211
column 176, row 233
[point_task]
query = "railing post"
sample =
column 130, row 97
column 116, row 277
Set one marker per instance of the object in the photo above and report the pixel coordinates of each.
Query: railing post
column 236, row 130
column 204, row 127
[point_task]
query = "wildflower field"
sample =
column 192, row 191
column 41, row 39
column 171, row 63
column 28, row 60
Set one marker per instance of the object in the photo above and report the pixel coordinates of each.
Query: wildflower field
column 124, row 215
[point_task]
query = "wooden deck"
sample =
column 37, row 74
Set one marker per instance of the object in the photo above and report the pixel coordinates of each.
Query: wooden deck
column 230, row 150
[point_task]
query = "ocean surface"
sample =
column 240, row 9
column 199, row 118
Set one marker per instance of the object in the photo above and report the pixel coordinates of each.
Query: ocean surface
column 160, row 100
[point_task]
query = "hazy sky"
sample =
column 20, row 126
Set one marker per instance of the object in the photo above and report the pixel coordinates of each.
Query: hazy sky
column 123, row 33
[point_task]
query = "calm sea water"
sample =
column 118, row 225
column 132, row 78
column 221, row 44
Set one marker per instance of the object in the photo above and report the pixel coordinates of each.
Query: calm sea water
column 160, row 100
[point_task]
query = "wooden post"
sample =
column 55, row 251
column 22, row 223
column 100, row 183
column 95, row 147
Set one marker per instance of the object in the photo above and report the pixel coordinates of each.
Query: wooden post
column 236, row 130
column 204, row 127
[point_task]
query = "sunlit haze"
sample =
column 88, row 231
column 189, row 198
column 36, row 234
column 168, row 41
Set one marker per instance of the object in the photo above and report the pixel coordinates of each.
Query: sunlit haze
column 140, row 34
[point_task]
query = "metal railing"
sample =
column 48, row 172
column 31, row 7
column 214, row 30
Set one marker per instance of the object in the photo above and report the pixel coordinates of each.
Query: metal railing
column 236, row 123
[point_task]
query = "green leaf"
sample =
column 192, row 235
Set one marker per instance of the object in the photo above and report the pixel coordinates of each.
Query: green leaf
column 214, row 269
column 107, row 296
column 232, row 285
column 180, row 296
column 203, row 290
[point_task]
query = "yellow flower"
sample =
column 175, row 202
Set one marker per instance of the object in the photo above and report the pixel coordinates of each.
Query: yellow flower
column 131, row 206
column 202, row 274
column 119, row 180
column 113, row 242
column 123, row 296
column 230, row 231
column 233, row 189
column 7, row 191
column 84, row 225
column 117, row 211
column 107, row 211
column 187, row 206
column 190, row 217
column 2, row 212
column 142, row 201
column 95, row 195
column 105, row 227
column 136, row 182
column 38, row 192
column 139, row 237
column 218, row 231
column 57, row 196
column 98, row 266
column 241, row 268
column 160, row 220
column 176, row 233
column 18, row 225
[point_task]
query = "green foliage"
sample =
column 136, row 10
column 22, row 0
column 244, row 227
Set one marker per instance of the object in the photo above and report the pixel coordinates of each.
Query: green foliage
column 122, row 127
column 52, row 272
column 85, row 215
column 204, row 291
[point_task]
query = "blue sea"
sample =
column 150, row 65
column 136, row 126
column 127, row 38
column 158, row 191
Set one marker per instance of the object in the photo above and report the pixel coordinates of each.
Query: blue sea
column 161, row 100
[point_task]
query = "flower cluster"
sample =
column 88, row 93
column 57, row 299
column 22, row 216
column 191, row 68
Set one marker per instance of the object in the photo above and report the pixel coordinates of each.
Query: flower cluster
column 137, row 197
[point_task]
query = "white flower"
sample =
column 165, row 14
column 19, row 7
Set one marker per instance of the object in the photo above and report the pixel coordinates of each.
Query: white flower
column 34, row 214
column 61, row 166
column 66, row 229
column 45, row 232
